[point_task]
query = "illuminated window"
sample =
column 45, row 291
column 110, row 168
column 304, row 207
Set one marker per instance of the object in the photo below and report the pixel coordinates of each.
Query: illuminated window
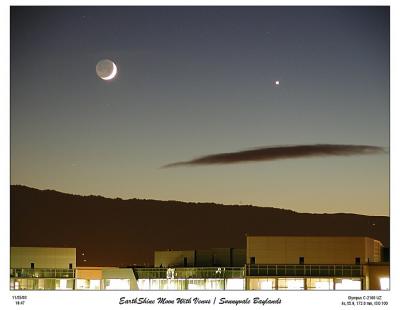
column 196, row 284
column 40, row 284
column 172, row 284
column 267, row 284
column 384, row 283
column 82, row 284
column 320, row 284
column 167, row 284
column 175, row 284
column 214, row 284
column 234, row 284
column 295, row 284
column 50, row 284
column 291, row 284
column 23, row 284
column 158, row 284
column 117, row 284
column 94, row 285
column 64, row 284
column 262, row 284
column 143, row 284
column 348, row 284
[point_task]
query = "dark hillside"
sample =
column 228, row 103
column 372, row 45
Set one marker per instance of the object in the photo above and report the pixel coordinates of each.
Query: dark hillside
column 126, row 232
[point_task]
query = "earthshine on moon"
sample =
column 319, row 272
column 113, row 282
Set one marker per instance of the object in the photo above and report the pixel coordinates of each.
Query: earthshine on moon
column 106, row 69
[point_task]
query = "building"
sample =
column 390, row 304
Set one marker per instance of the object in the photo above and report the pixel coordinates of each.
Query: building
column 105, row 278
column 45, row 268
column 270, row 263
column 277, row 263
column 220, row 257
column 43, row 257
column 191, row 278
column 312, row 250
column 36, row 268
column 315, row 262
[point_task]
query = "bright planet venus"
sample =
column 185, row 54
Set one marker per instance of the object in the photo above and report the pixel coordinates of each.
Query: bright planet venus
column 106, row 69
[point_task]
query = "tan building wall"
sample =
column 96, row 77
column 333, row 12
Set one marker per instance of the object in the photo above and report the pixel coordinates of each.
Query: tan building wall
column 42, row 257
column 89, row 273
column 105, row 278
column 315, row 250
column 374, row 250
column 173, row 258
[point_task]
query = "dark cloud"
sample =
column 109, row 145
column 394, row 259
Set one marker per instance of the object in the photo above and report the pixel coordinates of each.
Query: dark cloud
column 280, row 152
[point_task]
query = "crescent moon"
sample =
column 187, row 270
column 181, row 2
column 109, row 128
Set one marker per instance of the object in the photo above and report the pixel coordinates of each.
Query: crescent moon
column 112, row 74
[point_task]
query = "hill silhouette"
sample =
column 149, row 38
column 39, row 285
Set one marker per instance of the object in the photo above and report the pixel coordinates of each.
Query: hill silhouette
column 116, row 232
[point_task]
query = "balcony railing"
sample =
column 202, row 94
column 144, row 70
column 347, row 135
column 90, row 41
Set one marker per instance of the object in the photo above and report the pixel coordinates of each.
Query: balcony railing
column 251, row 270
column 190, row 273
column 270, row 270
column 42, row 273
column 304, row 270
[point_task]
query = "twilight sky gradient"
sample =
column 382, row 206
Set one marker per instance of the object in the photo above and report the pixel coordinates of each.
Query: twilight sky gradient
column 194, row 81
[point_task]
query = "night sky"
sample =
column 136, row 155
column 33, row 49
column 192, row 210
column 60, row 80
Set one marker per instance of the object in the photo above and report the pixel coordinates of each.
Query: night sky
column 194, row 81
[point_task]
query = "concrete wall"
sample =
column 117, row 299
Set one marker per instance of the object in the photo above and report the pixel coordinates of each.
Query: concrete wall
column 221, row 257
column 174, row 258
column 315, row 250
column 238, row 257
column 204, row 258
column 42, row 257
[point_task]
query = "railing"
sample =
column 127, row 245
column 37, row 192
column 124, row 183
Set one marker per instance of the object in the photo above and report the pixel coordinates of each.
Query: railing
column 42, row 273
column 305, row 270
column 190, row 273
column 210, row 272
column 250, row 270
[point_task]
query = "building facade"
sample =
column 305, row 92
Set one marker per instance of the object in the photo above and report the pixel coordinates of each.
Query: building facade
column 270, row 263
column 45, row 268
column 216, row 257
column 315, row 262
column 36, row 268
column 312, row 250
